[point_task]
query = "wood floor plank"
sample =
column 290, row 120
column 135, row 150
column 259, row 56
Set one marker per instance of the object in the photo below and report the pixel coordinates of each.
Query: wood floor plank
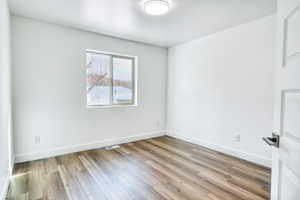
column 133, row 175
column 162, row 168
column 183, row 170
column 254, row 186
column 164, row 184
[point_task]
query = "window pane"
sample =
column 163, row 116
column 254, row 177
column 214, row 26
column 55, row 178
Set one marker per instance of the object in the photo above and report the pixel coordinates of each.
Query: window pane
column 98, row 79
column 123, row 80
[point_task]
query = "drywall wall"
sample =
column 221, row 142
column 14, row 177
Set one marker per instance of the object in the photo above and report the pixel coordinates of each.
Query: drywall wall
column 222, row 85
column 49, row 79
column 5, row 97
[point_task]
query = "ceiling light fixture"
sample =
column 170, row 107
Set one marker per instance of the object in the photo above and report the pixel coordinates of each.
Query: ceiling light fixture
column 156, row 7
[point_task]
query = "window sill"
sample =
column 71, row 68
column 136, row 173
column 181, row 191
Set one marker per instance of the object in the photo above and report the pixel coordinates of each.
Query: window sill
column 112, row 106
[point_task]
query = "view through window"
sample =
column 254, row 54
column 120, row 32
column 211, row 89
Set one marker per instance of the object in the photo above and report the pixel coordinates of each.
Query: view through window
column 110, row 79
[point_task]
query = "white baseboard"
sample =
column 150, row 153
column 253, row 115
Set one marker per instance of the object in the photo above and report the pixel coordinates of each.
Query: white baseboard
column 95, row 145
column 99, row 144
column 4, row 184
column 233, row 152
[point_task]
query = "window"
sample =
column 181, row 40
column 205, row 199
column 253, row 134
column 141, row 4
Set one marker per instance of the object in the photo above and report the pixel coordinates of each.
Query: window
column 110, row 79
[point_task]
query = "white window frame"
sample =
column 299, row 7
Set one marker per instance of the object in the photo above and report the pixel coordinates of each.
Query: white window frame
column 134, row 79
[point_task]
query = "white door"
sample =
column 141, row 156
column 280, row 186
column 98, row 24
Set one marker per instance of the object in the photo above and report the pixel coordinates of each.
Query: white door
column 286, row 158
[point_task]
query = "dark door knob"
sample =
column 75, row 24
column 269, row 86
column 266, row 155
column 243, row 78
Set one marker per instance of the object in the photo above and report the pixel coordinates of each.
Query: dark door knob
column 272, row 141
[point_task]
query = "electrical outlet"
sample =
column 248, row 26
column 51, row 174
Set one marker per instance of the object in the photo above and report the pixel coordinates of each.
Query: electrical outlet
column 37, row 139
column 237, row 137
column 158, row 124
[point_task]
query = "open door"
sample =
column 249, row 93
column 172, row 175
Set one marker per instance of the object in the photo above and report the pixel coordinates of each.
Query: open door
column 286, row 155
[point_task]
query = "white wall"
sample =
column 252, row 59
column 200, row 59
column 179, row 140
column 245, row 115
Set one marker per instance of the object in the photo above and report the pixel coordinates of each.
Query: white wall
column 5, row 96
column 50, row 91
column 223, row 84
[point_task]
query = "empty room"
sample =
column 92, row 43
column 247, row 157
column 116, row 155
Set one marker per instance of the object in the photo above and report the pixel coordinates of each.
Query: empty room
column 149, row 99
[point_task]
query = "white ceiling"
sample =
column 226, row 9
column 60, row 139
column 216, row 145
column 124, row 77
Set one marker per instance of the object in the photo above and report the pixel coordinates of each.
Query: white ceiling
column 187, row 19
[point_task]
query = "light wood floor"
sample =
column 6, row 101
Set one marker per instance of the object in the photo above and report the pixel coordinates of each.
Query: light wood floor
column 154, row 169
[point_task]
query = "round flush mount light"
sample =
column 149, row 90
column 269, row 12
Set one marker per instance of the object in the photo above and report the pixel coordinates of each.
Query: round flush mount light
column 156, row 7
